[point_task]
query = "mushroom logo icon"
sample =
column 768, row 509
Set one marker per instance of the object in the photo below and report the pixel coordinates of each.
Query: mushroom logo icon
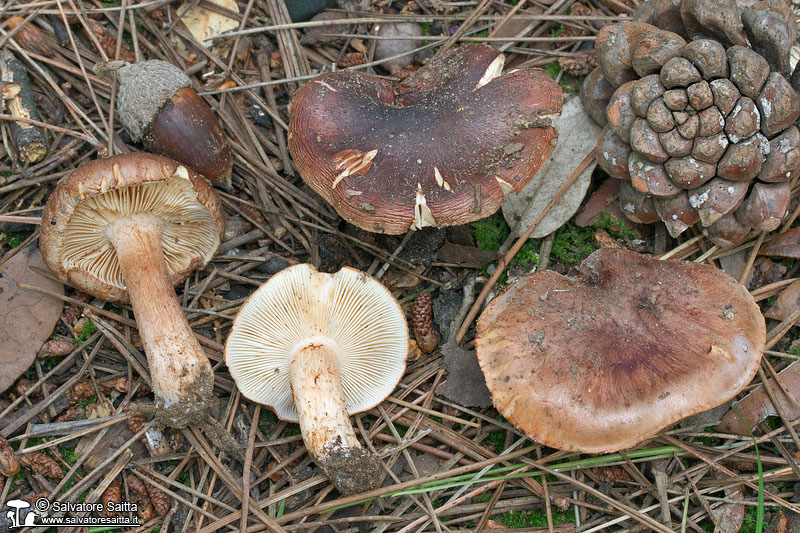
column 14, row 516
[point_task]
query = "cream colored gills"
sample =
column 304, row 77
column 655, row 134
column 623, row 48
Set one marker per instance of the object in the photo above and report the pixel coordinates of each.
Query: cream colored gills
column 318, row 348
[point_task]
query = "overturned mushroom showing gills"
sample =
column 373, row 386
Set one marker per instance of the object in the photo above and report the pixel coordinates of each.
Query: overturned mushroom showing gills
column 128, row 228
column 317, row 348
column 603, row 360
column 441, row 148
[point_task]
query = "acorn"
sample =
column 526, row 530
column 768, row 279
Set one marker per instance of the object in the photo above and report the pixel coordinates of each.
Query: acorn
column 700, row 123
column 159, row 108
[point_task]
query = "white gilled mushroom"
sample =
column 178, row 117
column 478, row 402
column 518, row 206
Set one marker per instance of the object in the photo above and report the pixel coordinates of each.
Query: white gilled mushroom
column 317, row 348
column 128, row 228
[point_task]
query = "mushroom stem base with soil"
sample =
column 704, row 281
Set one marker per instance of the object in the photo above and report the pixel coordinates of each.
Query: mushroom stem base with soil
column 181, row 373
column 324, row 422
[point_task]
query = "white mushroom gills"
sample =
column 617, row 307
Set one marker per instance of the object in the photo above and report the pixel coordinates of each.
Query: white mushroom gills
column 318, row 348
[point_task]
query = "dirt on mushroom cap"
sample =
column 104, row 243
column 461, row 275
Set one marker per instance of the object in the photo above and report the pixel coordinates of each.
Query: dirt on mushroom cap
column 603, row 360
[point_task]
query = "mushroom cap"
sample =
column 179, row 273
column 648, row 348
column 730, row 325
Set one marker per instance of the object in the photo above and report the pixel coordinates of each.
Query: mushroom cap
column 74, row 241
column 601, row 361
column 350, row 311
column 441, row 148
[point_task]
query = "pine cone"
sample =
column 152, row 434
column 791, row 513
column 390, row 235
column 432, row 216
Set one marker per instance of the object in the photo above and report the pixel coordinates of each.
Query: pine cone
column 422, row 324
column 704, row 128
column 41, row 464
column 160, row 500
column 81, row 391
column 9, row 462
column 138, row 495
column 112, row 495
column 351, row 60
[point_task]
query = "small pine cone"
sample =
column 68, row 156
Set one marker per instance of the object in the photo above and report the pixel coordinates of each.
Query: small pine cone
column 579, row 65
column 175, row 440
column 351, row 60
column 122, row 385
column 422, row 324
column 576, row 10
column 135, row 424
column 81, row 391
column 9, row 462
column 138, row 495
column 56, row 348
column 42, row 465
column 112, row 495
column 160, row 500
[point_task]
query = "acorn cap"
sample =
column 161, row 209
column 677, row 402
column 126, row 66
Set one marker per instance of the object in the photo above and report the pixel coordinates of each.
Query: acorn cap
column 74, row 241
column 349, row 311
column 442, row 148
column 144, row 89
column 601, row 361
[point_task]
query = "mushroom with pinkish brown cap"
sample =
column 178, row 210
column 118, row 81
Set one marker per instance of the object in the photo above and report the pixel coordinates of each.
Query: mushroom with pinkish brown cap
column 128, row 228
column 317, row 348
column 443, row 147
column 603, row 360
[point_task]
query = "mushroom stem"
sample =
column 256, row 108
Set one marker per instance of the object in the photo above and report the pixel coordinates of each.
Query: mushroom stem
column 181, row 374
column 324, row 422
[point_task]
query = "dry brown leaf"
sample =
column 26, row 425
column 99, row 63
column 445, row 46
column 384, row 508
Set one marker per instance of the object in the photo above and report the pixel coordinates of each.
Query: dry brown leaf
column 730, row 516
column 27, row 318
column 784, row 522
column 466, row 256
column 600, row 201
column 757, row 406
column 577, row 136
column 788, row 301
column 465, row 383
column 783, row 245
column 203, row 23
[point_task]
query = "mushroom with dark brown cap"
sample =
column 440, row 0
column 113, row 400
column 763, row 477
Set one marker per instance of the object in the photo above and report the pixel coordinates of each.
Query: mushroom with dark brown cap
column 317, row 348
column 128, row 228
column 630, row 345
column 441, row 148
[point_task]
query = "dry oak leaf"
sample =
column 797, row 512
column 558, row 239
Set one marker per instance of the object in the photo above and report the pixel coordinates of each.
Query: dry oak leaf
column 27, row 318
column 578, row 136
column 785, row 244
column 757, row 406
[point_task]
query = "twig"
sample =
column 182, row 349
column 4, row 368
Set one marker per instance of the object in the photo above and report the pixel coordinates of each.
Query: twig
column 503, row 263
